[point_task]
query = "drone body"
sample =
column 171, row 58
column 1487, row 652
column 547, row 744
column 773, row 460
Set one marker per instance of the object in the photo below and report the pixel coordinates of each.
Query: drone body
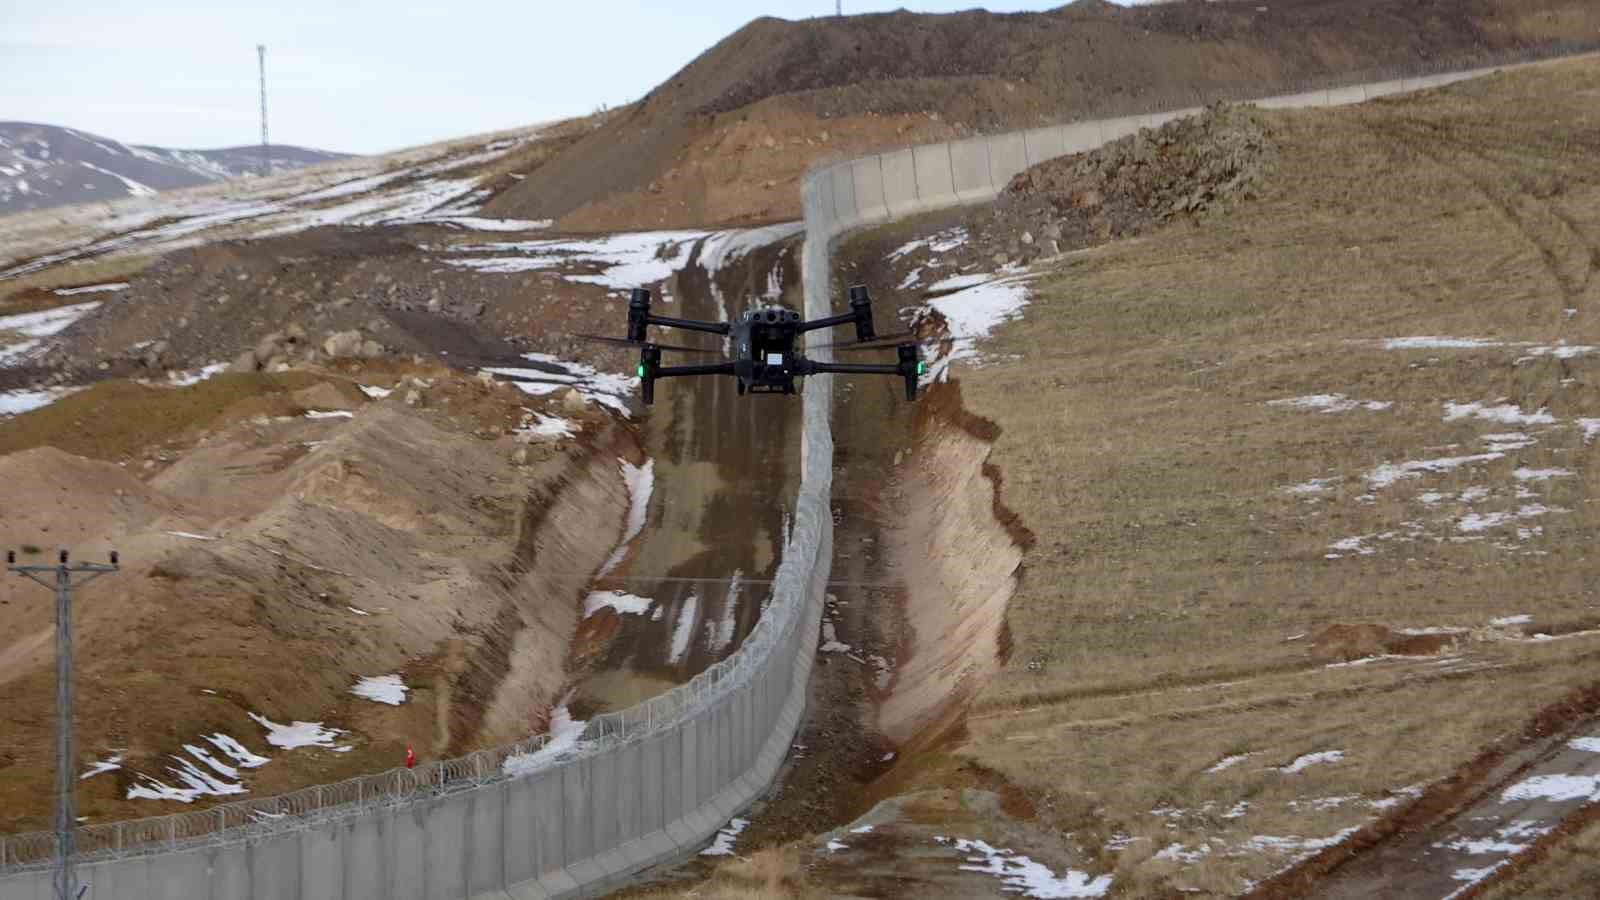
column 765, row 343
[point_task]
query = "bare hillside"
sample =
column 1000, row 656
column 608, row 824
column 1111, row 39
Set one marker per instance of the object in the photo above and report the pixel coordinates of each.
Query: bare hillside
column 47, row 165
column 726, row 138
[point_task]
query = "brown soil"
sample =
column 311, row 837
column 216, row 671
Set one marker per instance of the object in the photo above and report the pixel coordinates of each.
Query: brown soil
column 396, row 541
column 1345, row 643
column 721, row 140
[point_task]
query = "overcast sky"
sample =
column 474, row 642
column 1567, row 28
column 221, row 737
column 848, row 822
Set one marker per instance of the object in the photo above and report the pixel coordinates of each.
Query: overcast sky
column 359, row 76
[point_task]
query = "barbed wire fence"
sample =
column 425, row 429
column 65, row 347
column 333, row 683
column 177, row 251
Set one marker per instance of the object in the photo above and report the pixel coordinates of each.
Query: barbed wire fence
column 246, row 820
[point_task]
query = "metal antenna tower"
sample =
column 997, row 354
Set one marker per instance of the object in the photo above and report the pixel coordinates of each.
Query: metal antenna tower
column 66, row 880
column 261, row 57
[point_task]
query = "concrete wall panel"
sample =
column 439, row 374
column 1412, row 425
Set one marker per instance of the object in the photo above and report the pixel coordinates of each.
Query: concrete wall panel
column 321, row 860
column 1294, row 101
column 1383, row 89
column 36, row 886
column 1115, row 129
column 1041, row 144
column 631, row 790
column 365, row 859
column 935, row 174
column 674, row 793
column 230, row 874
column 446, row 828
column 899, row 183
column 867, row 180
column 690, row 758
column 969, row 168
column 178, row 875
column 1008, row 156
column 576, row 788
column 603, row 790
column 406, row 836
column 486, row 830
column 1346, row 96
column 125, row 878
column 1080, row 137
column 275, row 868
column 844, row 191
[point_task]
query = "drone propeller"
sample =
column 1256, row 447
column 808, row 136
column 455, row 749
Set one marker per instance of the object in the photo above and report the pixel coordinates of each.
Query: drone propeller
column 623, row 342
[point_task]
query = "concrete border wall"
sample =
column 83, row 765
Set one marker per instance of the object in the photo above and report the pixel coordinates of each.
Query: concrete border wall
column 648, row 785
column 881, row 187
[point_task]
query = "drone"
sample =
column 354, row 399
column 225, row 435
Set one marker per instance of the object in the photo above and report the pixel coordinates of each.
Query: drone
column 766, row 355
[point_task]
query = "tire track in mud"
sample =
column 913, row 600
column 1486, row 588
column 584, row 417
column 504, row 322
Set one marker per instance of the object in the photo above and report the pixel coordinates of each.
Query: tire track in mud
column 1431, row 141
column 1469, row 830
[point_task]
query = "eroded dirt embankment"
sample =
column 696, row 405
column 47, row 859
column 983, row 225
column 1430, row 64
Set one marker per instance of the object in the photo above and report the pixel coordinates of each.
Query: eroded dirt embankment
column 960, row 556
column 273, row 560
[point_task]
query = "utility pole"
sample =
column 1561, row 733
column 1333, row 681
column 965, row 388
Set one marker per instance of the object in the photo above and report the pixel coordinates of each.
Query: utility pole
column 66, row 880
column 261, row 57
column 838, row 8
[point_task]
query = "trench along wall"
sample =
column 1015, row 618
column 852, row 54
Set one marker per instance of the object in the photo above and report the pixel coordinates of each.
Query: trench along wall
column 966, row 570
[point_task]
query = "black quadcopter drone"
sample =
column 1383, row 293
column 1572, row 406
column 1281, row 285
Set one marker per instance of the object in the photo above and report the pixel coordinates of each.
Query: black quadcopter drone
column 766, row 355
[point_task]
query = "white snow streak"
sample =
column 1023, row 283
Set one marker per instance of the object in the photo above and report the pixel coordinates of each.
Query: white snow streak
column 382, row 689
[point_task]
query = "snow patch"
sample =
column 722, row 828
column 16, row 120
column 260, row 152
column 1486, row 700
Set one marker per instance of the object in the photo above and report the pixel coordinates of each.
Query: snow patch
column 1387, row 474
column 1331, row 403
column 1526, row 474
column 970, row 315
column 90, row 289
column 684, row 630
column 102, row 766
column 623, row 603
column 298, row 734
column 382, row 689
column 1227, row 762
column 641, row 481
column 1021, row 875
column 1301, row 763
column 1556, row 788
column 1508, row 413
column 236, row 751
column 723, row 844
column 564, row 734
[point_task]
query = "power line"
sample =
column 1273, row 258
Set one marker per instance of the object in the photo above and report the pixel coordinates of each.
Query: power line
column 66, row 880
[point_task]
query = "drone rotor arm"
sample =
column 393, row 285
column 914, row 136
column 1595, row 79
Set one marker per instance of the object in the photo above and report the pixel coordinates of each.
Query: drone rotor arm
column 689, row 324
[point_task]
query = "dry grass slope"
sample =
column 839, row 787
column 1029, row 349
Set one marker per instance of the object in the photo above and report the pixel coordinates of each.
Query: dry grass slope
column 1167, row 615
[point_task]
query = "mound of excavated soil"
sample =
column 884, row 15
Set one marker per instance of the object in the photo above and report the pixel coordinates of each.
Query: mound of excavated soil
column 272, row 561
column 1186, row 166
column 723, row 139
